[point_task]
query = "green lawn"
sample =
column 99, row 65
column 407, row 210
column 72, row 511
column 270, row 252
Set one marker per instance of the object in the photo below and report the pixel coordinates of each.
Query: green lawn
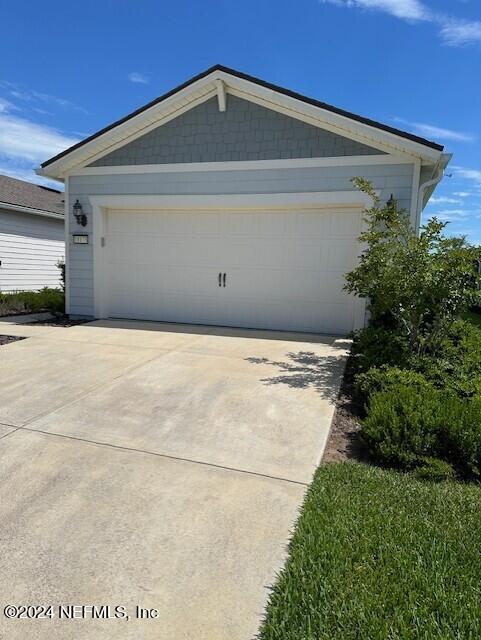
column 379, row 555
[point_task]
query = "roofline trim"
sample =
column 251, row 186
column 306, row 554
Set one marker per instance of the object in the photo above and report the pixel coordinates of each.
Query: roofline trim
column 219, row 71
column 38, row 212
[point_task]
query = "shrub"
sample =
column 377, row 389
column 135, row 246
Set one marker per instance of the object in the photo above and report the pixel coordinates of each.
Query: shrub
column 406, row 425
column 401, row 428
column 435, row 470
column 419, row 282
column 52, row 300
column 461, row 437
column 456, row 364
column 32, row 301
column 61, row 267
column 377, row 346
column 382, row 378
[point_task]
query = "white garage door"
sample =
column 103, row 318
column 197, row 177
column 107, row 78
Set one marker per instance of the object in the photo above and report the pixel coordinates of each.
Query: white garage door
column 260, row 269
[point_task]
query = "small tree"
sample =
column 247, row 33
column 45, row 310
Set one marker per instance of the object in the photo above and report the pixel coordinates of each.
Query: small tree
column 416, row 284
column 61, row 266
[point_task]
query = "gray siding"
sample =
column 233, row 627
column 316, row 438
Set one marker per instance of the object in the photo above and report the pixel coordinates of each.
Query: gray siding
column 30, row 247
column 395, row 179
column 245, row 131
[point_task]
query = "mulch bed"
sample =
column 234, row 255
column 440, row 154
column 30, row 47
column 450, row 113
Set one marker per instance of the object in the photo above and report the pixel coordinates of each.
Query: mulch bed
column 7, row 339
column 60, row 321
column 344, row 442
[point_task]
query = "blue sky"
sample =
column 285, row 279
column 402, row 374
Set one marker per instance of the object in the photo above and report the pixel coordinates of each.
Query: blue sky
column 70, row 68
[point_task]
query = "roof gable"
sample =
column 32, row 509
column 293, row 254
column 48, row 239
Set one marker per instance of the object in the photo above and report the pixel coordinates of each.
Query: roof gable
column 219, row 78
column 244, row 131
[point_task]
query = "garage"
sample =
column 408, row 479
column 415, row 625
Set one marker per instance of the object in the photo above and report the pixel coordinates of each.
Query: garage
column 268, row 269
column 231, row 201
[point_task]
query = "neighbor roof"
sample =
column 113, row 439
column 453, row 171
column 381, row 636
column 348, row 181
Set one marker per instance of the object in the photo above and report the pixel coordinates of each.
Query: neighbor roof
column 20, row 193
column 262, row 83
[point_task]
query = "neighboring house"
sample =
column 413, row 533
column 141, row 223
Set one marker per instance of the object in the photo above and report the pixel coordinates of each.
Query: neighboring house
column 32, row 238
column 229, row 201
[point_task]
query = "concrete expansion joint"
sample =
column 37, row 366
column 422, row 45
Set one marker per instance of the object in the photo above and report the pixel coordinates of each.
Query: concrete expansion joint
column 163, row 455
column 9, row 433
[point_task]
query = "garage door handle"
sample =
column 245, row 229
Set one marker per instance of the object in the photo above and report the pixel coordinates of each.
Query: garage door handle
column 224, row 279
column 220, row 279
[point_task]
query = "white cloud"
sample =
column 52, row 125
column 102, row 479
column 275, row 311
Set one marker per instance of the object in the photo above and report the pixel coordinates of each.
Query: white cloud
column 453, row 212
column 443, row 200
column 21, row 138
column 460, row 32
column 5, row 106
column 405, row 9
column 27, row 95
column 462, row 194
column 24, row 144
column 139, row 78
column 469, row 174
column 431, row 131
column 453, row 31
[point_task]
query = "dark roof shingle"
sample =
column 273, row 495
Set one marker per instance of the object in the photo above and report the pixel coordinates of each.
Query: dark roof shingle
column 33, row 196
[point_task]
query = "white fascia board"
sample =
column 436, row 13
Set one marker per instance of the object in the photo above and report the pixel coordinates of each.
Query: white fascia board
column 244, row 165
column 126, row 132
column 369, row 134
column 31, row 210
column 205, row 88
column 140, row 132
column 305, row 200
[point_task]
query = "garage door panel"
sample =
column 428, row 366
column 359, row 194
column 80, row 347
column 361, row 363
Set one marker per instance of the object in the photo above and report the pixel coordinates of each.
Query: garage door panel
column 332, row 288
column 340, row 254
column 273, row 284
column 284, row 269
column 345, row 224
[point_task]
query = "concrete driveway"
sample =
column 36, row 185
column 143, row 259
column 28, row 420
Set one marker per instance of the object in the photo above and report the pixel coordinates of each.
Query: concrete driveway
column 155, row 465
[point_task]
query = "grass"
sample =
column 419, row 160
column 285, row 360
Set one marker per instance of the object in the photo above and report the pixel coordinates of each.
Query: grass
column 379, row 555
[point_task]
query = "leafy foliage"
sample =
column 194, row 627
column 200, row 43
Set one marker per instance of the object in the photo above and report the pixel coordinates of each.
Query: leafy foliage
column 377, row 346
column 435, row 470
column 406, row 425
column 402, row 426
column 32, row 301
column 61, row 267
column 416, row 285
column 385, row 377
column 456, row 365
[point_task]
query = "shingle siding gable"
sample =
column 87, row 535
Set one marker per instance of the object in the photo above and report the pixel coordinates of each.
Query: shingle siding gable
column 245, row 131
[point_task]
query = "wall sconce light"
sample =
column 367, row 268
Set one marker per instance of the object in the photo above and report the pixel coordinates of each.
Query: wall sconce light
column 79, row 214
column 391, row 201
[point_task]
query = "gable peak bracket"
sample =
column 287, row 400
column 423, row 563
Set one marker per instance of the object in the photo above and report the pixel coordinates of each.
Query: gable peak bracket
column 221, row 94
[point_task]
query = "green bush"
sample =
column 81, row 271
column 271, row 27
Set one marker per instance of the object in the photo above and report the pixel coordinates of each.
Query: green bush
column 46, row 299
column 456, row 364
column 401, row 427
column 405, row 425
column 382, row 378
column 462, row 437
column 418, row 280
column 377, row 346
column 52, row 300
column 435, row 470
